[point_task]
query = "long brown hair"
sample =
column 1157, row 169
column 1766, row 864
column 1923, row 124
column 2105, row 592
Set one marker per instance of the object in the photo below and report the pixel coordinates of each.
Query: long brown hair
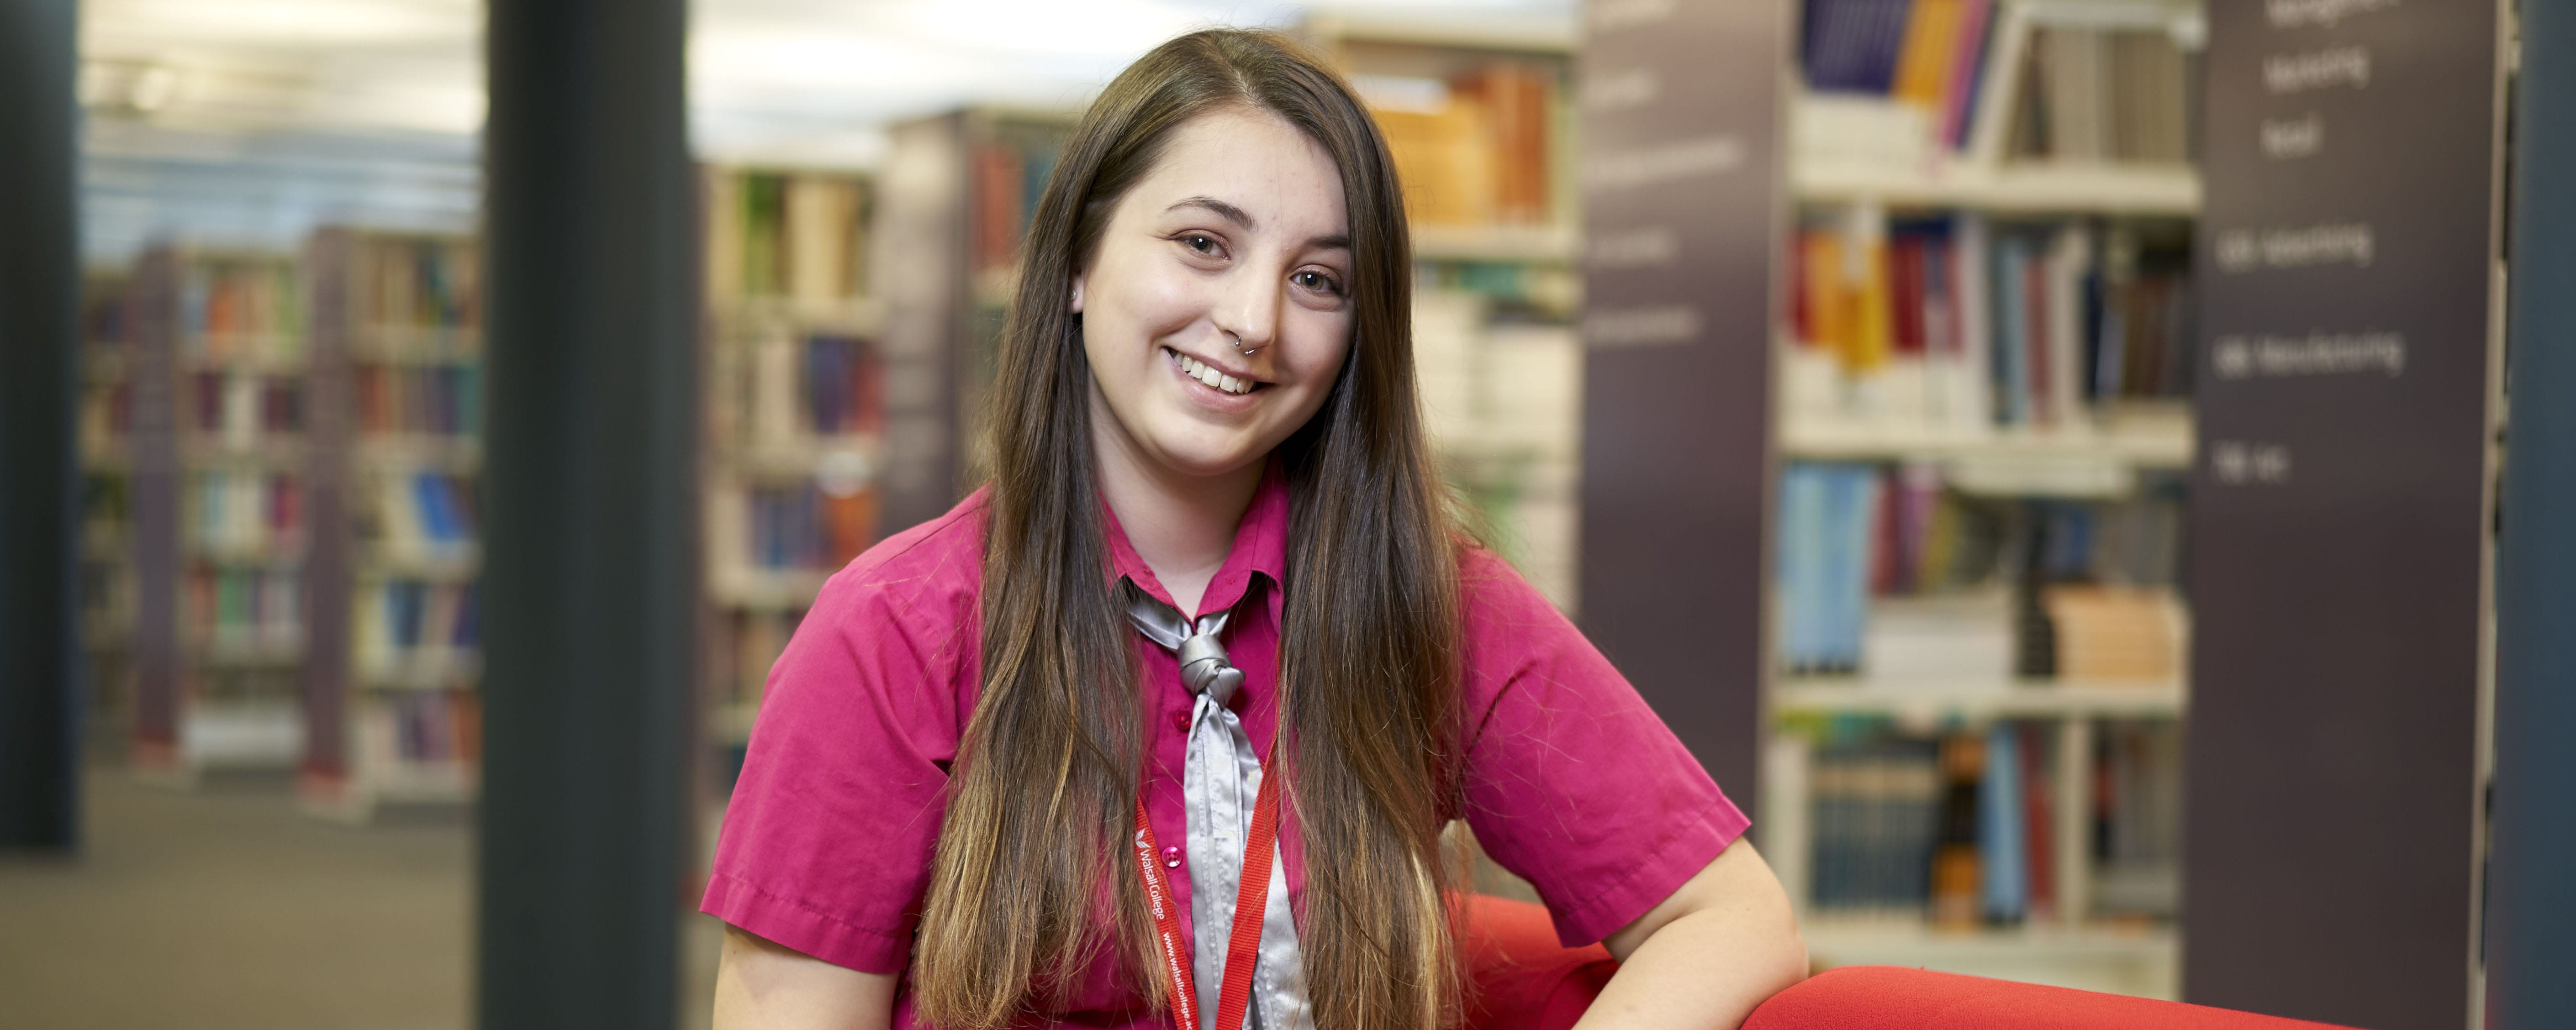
column 1046, row 783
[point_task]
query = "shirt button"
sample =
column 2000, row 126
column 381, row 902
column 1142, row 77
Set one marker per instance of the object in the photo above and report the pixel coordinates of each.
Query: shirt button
column 1180, row 722
column 1172, row 856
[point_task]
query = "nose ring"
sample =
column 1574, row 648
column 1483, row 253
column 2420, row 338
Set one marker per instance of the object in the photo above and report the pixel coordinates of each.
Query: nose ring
column 1238, row 344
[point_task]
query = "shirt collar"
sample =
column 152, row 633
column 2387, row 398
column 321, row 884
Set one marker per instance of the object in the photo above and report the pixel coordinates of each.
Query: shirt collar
column 1260, row 545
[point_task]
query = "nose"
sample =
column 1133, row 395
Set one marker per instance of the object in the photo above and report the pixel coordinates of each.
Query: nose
column 1249, row 310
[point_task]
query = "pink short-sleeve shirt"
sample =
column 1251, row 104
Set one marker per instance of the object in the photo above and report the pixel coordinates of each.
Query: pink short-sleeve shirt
column 1571, row 781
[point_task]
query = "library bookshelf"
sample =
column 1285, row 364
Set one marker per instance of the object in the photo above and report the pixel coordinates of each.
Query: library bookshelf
column 213, row 398
column 1983, row 422
column 393, row 657
column 105, row 442
column 1479, row 119
column 795, row 419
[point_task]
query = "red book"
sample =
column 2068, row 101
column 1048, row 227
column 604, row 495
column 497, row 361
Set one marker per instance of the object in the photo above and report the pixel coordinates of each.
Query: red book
column 1905, row 285
column 2039, row 829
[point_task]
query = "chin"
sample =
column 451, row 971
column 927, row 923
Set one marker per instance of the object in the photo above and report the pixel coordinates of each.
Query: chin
column 1202, row 453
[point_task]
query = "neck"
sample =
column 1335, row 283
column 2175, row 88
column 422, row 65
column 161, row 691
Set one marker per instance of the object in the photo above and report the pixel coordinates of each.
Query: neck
column 1181, row 525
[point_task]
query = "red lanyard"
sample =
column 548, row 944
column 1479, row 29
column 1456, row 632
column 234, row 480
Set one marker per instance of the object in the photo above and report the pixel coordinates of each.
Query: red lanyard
column 1250, row 899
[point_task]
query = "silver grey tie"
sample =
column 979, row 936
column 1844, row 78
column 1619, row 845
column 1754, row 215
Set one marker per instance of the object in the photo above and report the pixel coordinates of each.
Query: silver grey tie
column 1220, row 779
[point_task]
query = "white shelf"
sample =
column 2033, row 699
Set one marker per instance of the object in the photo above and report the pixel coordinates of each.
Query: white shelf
column 271, row 455
column 2036, row 188
column 255, row 555
column 426, row 668
column 392, row 343
column 857, row 316
column 1502, row 244
column 453, row 565
column 256, row 353
column 2164, row 444
column 766, row 589
column 1976, row 699
column 805, row 456
column 440, row 452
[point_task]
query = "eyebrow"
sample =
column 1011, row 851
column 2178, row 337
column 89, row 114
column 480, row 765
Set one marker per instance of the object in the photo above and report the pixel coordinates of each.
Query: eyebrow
column 1222, row 209
column 1244, row 219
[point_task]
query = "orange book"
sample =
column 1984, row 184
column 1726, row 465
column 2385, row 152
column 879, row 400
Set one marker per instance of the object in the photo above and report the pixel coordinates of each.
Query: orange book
column 849, row 524
column 1820, row 260
column 1873, row 328
column 1931, row 43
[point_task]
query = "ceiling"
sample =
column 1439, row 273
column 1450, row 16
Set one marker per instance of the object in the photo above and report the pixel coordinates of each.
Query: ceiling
column 247, row 121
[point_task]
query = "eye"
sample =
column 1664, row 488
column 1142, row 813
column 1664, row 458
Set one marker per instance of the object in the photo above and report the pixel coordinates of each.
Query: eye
column 1201, row 244
column 1312, row 279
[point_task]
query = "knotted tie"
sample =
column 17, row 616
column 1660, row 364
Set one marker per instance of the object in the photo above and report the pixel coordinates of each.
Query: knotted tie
column 1221, row 776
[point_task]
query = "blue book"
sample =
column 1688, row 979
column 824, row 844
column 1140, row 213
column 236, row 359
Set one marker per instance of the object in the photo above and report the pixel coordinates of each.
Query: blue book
column 2000, row 830
column 2012, row 331
column 1801, row 572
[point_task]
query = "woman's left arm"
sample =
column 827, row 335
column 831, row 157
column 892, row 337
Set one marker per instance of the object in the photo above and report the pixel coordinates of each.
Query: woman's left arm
column 1703, row 958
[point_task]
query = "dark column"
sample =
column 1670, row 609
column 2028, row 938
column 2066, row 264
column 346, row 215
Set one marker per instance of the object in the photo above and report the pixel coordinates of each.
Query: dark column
column 39, row 523
column 589, row 473
column 2531, row 900
column 1681, row 203
column 2339, row 512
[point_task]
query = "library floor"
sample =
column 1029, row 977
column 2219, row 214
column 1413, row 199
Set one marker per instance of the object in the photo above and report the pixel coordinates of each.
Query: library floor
column 224, row 908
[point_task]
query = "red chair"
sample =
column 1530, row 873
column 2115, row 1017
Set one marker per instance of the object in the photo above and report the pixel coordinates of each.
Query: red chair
column 1524, row 980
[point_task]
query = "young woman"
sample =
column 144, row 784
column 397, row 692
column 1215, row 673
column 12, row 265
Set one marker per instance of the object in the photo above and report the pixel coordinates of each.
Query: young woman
column 1162, row 727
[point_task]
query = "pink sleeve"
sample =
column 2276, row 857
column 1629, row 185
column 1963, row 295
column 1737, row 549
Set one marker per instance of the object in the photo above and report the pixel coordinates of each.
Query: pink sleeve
column 1572, row 783
column 827, row 841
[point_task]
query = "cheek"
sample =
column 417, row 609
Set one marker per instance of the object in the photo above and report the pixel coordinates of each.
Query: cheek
column 1318, row 346
column 1145, row 301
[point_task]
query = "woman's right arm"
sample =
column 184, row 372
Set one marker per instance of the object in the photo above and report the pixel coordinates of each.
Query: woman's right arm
column 761, row 985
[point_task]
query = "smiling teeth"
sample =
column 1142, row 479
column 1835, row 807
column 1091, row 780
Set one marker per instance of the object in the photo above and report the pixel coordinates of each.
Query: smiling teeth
column 1205, row 373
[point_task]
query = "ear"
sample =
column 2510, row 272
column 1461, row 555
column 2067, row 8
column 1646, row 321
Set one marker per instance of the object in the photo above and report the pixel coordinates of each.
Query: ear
column 1076, row 306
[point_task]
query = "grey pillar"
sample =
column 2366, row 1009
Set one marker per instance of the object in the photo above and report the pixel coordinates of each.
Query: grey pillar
column 589, row 478
column 2531, row 900
column 39, row 475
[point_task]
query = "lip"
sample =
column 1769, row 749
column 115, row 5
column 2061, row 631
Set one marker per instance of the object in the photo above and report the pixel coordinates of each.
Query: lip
column 1221, row 366
column 1210, row 396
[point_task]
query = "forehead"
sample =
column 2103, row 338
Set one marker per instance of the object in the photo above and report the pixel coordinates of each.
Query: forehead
column 1256, row 161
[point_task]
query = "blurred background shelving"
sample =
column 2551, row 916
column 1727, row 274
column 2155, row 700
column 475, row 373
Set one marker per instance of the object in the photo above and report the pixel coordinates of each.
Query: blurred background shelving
column 214, row 367
column 1984, row 423
column 795, row 388
column 390, row 691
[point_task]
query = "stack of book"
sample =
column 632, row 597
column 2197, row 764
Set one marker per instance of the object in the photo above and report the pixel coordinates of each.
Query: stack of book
column 800, row 526
column 1883, row 570
column 1961, row 323
column 1474, row 149
column 242, row 513
column 2097, row 95
column 411, row 632
column 419, row 515
column 2116, row 89
column 747, row 642
column 444, row 399
column 417, row 730
column 2137, row 819
column 1960, row 829
column 242, row 411
column 240, row 309
column 243, row 611
column 797, row 235
column 804, row 385
column 1007, row 171
column 1927, row 54
column 431, row 285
